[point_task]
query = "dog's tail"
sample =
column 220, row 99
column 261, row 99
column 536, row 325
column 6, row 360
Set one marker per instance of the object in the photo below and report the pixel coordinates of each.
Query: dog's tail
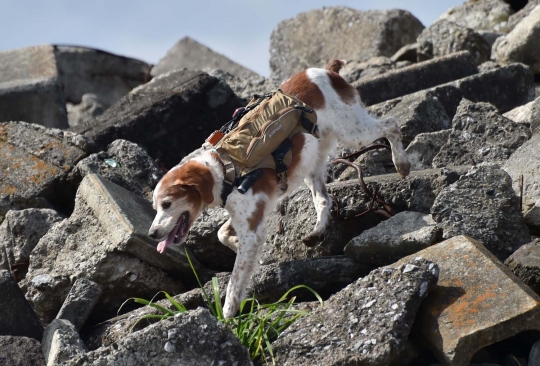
column 335, row 65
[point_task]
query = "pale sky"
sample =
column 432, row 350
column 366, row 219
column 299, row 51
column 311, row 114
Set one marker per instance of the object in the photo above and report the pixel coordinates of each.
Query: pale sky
column 239, row 29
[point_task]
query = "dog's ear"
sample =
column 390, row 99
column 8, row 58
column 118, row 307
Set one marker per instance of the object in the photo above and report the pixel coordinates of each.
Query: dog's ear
column 198, row 177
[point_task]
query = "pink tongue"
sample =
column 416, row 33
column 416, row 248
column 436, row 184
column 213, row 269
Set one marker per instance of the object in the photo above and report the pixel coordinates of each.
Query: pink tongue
column 164, row 244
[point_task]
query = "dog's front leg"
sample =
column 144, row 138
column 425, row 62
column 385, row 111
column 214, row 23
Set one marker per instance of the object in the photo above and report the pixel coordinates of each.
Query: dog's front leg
column 247, row 260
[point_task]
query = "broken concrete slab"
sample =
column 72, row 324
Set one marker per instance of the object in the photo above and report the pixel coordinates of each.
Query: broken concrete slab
column 510, row 87
column 89, row 107
column 61, row 343
column 192, row 338
column 125, row 164
column 20, row 351
column 486, row 15
column 526, row 114
column 483, row 205
column 416, row 193
column 521, row 44
column 416, row 77
column 477, row 301
column 375, row 162
column 203, row 241
column 425, row 147
column 80, row 302
column 30, row 89
column 20, row 233
column 367, row 323
column 525, row 162
column 368, row 34
column 173, row 112
column 401, row 235
column 419, row 113
column 445, row 37
column 85, row 70
column 189, row 54
column 17, row 317
column 525, row 264
column 104, row 240
column 480, row 135
column 34, row 162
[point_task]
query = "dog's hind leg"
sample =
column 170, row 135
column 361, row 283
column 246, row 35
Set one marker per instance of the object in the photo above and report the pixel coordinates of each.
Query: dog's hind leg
column 227, row 236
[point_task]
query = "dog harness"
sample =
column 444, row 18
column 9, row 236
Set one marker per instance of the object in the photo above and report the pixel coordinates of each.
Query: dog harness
column 258, row 137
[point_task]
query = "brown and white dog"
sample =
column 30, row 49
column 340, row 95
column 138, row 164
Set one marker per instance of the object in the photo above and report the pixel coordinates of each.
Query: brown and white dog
column 196, row 183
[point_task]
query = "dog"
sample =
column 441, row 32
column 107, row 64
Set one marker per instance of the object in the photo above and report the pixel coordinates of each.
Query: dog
column 196, row 183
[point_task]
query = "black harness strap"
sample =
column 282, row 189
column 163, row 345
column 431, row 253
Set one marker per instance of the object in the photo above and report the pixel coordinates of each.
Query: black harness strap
column 281, row 167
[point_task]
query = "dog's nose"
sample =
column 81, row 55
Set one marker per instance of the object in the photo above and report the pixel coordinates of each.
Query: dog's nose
column 152, row 233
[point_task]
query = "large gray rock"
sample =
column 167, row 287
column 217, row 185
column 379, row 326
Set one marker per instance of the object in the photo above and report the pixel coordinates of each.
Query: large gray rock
column 399, row 236
column 191, row 338
column 20, row 233
column 416, row 193
column 30, row 89
column 521, row 44
column 17, row 317
column 124, row 163
column 89, row 107
column 354, row 71
column 203, row 241
column 20, row 351
column 483, row 15
column 170, row 116
column 326, row 275
column 477, row 302
column 509, row 87
column 367, row 323
column 61, row 343
column 80, row 302
column 338, row 32
column 425, row 147
column 105, row 241
column 85, row 70
column 419, row 113
column 483, row 205
column 521, row 14
column 480, row 134
column 445, row 37
column 245, row 87
column 527, row 114
column 189, row 54
column 526, row 162
column 525, row 263
column 34, row 162
column 416, row 77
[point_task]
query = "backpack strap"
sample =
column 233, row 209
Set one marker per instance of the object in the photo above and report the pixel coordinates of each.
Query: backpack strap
column 281, row 167
column 229, row 178
column 311, row 127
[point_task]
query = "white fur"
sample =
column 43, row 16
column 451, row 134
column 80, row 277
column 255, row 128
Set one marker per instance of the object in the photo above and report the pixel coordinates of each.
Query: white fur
column 352, row 125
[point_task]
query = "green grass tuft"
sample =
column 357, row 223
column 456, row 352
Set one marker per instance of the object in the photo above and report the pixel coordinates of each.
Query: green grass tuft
column 256, row 326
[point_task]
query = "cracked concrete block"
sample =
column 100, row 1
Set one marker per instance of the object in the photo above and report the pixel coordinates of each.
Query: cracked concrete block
column 80, row 302
column 30, row 89
column 477, row 301
column 61, row 343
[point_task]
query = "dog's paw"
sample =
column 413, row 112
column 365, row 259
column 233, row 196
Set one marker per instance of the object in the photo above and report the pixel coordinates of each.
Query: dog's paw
column 312, row 240
column 229, row 309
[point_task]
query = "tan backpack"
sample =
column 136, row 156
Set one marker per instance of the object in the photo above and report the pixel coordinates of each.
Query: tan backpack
column 262, row 129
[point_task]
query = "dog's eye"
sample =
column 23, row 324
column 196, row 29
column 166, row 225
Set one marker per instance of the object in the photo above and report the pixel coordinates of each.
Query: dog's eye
column 165, row 205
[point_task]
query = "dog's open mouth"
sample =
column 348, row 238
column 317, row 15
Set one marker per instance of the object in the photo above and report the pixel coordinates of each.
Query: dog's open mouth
column 177, row 234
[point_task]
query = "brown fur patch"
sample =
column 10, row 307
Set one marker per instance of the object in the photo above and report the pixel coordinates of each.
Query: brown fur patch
column 304, row 89
column 257, row 216
column 266, row 184
column 192, row 177
column 335, row 65
column 346, row 91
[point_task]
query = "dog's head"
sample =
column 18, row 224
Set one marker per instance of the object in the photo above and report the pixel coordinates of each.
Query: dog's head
column 179, row 198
